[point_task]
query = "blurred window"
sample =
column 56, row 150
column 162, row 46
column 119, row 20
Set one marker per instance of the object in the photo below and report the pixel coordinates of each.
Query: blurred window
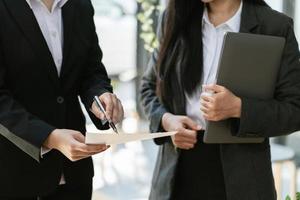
column 294, row 9
column 276, row 4
column 116, row 26
column 297, row 19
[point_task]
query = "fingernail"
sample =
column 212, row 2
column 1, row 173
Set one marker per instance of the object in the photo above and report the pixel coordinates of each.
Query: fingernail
column 199, row 127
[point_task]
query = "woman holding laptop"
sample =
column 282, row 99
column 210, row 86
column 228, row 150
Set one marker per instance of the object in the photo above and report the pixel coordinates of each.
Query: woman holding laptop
column 182, row 69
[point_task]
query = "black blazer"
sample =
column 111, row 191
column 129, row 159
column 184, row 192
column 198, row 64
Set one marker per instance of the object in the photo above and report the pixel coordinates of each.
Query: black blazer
column 34, row 100
column 247, row 167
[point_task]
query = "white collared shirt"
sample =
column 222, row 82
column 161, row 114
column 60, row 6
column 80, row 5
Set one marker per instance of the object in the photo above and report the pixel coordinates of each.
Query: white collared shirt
column 212, row 45
column 51, row 25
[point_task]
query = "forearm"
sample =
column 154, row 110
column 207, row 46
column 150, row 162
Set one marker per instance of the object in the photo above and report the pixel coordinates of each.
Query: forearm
column 95, row 80
column 21, row 128
column 153, row 108
column 267, row 118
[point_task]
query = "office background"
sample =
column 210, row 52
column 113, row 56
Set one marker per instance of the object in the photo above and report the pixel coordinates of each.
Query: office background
column 124, row 172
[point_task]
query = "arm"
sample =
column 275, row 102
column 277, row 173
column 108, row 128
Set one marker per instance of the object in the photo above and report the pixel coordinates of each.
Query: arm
column 280, row 116
column 96, row 81
column 160, row 118
column 16, row 124
column 262, row 118
column 153, row 108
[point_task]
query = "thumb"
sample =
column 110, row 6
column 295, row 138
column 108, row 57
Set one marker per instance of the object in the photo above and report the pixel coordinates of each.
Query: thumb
column 191, row 124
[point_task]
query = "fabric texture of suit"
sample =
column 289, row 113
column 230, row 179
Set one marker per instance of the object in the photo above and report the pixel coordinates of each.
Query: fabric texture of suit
column 246, row 167
column 34, row 100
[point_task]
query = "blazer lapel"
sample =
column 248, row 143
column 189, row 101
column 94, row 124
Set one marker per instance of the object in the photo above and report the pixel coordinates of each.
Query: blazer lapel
column 249, row 21
column 25, row 18
column 68, row 21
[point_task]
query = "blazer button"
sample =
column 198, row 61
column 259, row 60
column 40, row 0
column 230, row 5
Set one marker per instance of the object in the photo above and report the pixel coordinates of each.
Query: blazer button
column 60, row 100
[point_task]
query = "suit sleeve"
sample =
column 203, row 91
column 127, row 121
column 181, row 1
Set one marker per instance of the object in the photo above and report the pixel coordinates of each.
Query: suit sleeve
column 153, row 108
column 95, row 78
column 16, row 124
column 280, row 116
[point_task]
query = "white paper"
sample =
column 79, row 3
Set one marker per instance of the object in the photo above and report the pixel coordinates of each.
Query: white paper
column 113, row 138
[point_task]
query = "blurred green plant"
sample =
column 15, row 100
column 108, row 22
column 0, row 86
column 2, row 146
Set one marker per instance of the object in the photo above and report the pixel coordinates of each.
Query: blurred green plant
column 149, row 8
column 297, row 197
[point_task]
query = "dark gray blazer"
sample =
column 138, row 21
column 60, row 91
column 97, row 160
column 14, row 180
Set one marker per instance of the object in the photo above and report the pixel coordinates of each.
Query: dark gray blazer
column 247, row 167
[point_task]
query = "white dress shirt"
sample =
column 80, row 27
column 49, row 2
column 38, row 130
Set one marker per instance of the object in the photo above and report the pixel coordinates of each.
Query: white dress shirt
column 212, row 45
column 51, row 25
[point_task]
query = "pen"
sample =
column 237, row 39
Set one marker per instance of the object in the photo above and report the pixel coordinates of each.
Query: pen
column 100, row 106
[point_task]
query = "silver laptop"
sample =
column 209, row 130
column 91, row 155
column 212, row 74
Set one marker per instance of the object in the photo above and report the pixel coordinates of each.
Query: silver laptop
column 248, row 67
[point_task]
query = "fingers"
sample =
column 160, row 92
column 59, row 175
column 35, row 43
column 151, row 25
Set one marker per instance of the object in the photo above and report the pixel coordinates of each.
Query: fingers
column 113, row 107
column 85, row 153
column 121, row 110
column 179, row 139
column 191, row 124
column 209, row 113
column 208, row 99
column 118, row 111
column 214, row 88
column 186, row 128
column 79, row 145
column 115, row 113
column 208, row 104
column 71, row 143
column 221, row 105
column 96, row 111
column 188, row 133
column 185, row 139
column 79, row 149
column 79, row 137
column 75, row 156
column 204, row 110
column 213, row 116
column 182, row 143
column 107, row 100
column 185, row 146
column 89, row 148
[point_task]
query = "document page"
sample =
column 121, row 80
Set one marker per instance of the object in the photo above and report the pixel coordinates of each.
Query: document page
column 113, row 138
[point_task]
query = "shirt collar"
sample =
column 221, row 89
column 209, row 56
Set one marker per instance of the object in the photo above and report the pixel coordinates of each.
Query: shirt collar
column 59, row 3
column 233, row 23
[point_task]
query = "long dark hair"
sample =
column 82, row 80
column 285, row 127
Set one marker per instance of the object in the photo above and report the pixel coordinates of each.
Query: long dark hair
column 182, row 44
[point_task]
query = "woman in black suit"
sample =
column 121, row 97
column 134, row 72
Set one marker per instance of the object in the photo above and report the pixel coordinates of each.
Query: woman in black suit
column 43, row 154
column 191, row 35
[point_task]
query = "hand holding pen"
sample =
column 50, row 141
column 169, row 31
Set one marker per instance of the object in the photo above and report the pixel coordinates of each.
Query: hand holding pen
column 108, row 107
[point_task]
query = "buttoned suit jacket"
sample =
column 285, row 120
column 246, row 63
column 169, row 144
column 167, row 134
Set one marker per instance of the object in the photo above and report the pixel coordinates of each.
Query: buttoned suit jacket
column 34, row 100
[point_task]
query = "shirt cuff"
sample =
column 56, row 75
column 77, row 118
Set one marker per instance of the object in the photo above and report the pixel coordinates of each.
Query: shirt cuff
column 44, row 151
